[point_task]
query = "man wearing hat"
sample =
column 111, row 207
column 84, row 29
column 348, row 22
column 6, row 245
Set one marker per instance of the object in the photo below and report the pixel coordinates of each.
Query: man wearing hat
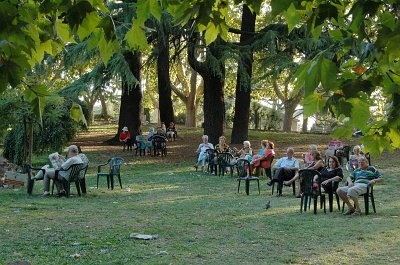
column 125, row 138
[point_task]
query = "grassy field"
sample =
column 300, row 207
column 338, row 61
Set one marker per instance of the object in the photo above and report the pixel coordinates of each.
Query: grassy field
column 200, row 219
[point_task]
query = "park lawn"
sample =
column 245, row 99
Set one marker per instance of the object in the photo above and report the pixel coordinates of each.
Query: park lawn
column 200, row 218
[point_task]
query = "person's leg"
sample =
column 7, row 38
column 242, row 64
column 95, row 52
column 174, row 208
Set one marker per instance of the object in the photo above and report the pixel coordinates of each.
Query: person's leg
column 354, row 192
column 49, row 174
column 289, row 182
column 342, row 192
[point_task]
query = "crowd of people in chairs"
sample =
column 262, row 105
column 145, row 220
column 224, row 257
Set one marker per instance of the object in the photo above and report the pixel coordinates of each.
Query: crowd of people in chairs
column 148, row 143
column 329, row 172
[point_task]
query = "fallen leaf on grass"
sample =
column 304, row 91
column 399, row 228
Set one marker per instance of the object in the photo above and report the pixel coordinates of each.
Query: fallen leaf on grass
column 143, row 236
column 75, row 256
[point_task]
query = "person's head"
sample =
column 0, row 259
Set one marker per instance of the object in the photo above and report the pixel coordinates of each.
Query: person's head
column 363, row 163
column 151, row 129
column 316, row 155
column 72, row 150
column 222, row 140
column 246, row 144
column 125, row 129
column 171, row 124
column 205, row 138
column 159, row 130
column 271, row 145
column 290, row 152
column 333, row 162
column 357, row 150
column 264, row 144
column 312, row 147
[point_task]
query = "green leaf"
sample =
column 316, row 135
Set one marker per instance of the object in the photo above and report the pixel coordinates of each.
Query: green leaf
column 313, row 103
column 88, row 25
column 278, row 6
column 329, row 73
column 136, row 38
column 106, row 50
column 394, row 137
column 312, row 77
column 211, row 33
column 373, row 144
column 343, row 132
column 388, row 20
column 63, row 31
column 76, row 113
column 292, row 17
column 155, row 9
column 107, row 25
column 359, row 113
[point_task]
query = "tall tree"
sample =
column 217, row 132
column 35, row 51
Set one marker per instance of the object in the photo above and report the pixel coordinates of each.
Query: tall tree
column 163, row 70
column 131, row 98
column 244, row 74
column 212, row 71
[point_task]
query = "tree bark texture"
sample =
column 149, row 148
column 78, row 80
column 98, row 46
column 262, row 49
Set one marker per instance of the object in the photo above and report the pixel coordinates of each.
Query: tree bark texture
column 243, row 82
column 213, row 74
column 131, row 99
column 164, row 82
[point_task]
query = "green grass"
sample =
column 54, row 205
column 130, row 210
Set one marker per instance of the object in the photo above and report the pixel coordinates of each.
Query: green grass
column 200, row 220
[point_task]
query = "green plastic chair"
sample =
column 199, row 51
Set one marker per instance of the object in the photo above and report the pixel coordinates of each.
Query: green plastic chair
column 114, row 170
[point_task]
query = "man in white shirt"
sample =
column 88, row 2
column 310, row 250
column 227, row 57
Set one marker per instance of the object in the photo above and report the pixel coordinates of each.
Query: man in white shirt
column 285, row 167
column 73, row 158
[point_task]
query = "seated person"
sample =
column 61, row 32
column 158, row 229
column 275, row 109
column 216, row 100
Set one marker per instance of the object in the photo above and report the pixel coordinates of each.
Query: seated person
column 125, row 138
column 357, row 185
column 59, row 162
column 201, row 152
column 353, row 159
column 317, row 164
column 171, row 131
column 143, row 143
column 150, row 134
column 331, row 173
column 160, row 132
column 285, row 167
column 222, row 146
column 332, row 147
column 246, row 152
column 308, row 157
column 163, row 128
column 266, row 152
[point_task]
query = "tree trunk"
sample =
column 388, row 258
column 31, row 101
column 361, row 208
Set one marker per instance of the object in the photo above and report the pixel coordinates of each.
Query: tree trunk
column 290, row 108
column 214, row 107
column 257, row 118
column 164, row 82
column 131, row 99
column 304, row 127
column 104, row 109
column 191, row 107
column 213, row 73
column 90, row 106
column 243, row 84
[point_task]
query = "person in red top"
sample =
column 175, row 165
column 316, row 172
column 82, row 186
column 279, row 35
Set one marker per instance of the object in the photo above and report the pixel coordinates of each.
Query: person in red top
column 125, row 138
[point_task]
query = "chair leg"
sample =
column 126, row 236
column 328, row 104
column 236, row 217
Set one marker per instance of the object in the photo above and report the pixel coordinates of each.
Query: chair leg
column 337, row 200
column 301, row 203
column 52, row 187
column 31, row 184
column 366, row 202
column 373, row 202
column 294, row 188
column 342, row 207
column 112, row 181
column 97, row 181
column 305, row 202
column 258, row 183
column 315, row 204
column 78, row 188
column 238, row 184
column 108, row 182
column 273, row 187
column 82, row 183
column 323, row 195
column 119, row 179
column 330, row 201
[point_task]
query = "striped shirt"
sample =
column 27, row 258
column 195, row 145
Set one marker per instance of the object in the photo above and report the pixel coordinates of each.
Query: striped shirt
column 366, row 175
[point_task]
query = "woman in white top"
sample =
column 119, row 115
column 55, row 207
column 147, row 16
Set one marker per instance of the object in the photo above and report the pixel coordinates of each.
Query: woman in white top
column 201, row 151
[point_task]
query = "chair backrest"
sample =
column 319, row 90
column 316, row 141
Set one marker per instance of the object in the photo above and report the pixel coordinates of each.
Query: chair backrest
column 307, row 176
column 74, row 172
column 224, row 159
column 83, row 170
column 159, row 142
column 211, row 155
column 243, row 166
column 368, row 156
column 346, row 151
column 115, row 165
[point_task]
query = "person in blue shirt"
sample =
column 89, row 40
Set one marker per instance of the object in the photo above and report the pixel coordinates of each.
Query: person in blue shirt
column 357, row 184
column 285, row 167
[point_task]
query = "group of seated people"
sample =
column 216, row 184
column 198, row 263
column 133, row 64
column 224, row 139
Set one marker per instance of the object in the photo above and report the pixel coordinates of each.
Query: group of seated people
column 361, row 175
column 145, row 142
column 265, row 153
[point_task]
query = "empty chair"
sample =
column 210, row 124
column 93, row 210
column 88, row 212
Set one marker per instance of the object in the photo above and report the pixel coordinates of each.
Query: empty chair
column 114, row 170
column 244, row 174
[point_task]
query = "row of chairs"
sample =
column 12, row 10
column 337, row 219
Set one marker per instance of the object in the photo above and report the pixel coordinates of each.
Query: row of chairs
column 157, row 146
